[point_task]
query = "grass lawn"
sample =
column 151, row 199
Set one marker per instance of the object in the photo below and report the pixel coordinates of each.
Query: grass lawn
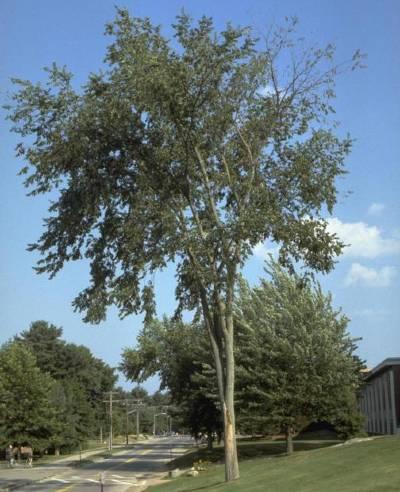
column 251, row 448
column 370, row 466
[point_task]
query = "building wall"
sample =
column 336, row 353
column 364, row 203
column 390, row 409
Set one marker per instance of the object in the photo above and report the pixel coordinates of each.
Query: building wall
column 396, row 377
column 380, row 402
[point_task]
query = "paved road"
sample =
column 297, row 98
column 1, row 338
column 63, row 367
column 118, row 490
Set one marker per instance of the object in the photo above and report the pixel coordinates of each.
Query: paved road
column 129, row 469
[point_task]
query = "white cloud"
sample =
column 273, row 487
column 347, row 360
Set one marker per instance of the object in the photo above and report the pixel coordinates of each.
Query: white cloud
column 376, row 209
column 263, row 250
column 363, row 241
column 369, row 277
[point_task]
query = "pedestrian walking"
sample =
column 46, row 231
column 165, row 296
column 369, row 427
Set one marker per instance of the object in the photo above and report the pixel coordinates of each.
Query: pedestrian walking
column 27, row 454
column 10, row 456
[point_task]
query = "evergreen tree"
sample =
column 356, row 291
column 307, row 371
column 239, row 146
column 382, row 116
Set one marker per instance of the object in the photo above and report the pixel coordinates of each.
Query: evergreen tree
column 26, row 414
column 81, row 378
column 303, row 366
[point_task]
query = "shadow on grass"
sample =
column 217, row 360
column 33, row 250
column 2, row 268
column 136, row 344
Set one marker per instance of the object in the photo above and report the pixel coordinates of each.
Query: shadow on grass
column 207, row 487
column 247, row 449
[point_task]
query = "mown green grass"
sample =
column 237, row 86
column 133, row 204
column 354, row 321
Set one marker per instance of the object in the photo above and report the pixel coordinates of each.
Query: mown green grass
column 249, row 449
column 370, row 466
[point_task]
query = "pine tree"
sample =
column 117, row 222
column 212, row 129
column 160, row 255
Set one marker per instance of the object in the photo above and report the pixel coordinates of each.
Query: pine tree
column 303, row 366
column 26, row 414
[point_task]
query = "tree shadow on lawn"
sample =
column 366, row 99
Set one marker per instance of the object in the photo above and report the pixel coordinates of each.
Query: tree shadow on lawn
column 247, row 449
column 220, row 483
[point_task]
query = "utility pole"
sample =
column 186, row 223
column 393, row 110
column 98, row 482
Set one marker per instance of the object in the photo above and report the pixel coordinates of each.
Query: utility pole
column 126, row 423
column 154, row 421
column 137, row 424
column 111, row 421
column 137, row 410
column 110, row 402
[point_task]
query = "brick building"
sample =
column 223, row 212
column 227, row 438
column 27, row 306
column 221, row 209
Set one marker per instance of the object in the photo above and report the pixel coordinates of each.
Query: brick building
column 380, row 399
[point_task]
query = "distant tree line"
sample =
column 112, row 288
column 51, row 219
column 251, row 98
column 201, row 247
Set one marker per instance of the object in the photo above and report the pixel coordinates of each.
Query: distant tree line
column 53, row 395
column 51, row 390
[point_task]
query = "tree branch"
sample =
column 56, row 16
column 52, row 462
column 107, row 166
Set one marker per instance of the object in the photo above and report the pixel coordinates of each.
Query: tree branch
column 207, row 185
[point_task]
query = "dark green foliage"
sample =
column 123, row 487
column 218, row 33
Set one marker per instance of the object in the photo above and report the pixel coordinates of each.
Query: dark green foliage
column 188, row 154
column 180, row 354
column 81, row 382
column 296, row 359
column 26, row 414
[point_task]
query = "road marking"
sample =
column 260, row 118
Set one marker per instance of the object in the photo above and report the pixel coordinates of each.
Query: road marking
column 61, row 480
column 133, row 477
column 91, row 480
column 145, row 451
column 130, row 460
column 120, row 481
column 66, row 488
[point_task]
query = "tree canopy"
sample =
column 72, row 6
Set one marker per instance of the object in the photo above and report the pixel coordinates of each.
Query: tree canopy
column 180, row 355
column 26, row 414
column 80, row 381
column 190, row 151
column 296, row 360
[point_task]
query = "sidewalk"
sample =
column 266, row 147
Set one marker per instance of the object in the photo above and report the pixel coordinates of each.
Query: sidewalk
column 70, row 458
column 61, row 459
column 43, row 470
column 20, row 475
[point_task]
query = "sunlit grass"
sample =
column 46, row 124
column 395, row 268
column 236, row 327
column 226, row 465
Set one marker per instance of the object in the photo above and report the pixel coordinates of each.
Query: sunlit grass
column 370, row 466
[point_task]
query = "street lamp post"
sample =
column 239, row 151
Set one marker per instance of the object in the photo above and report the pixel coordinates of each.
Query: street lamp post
column 154, row 421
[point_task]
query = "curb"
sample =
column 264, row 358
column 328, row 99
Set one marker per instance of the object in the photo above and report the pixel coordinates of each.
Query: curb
column 15, row 486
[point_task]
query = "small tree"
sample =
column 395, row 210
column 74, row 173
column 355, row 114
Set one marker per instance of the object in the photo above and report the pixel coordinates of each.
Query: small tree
column 192, row 155
column 303, row 366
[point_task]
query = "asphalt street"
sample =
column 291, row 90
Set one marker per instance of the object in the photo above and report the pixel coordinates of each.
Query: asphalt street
column 130, row 469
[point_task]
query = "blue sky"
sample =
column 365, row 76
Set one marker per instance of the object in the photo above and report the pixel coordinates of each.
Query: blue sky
column 366, row 281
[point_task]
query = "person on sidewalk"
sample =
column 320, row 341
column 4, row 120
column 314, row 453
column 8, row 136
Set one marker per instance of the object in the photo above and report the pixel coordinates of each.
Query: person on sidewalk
column 10, row 456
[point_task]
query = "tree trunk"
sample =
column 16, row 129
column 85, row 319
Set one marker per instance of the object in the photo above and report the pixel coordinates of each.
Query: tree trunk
column 225, row 378
column 210, row 440
column 289, row 439
column 57, row 451
column 231, row 459
column 219, row 324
